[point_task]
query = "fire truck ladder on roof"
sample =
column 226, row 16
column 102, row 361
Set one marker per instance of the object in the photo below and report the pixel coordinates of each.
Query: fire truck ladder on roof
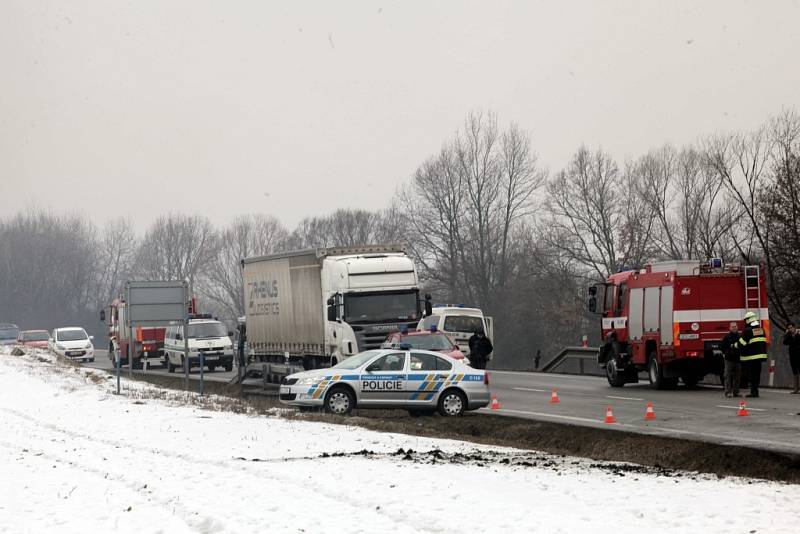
column 752, row 289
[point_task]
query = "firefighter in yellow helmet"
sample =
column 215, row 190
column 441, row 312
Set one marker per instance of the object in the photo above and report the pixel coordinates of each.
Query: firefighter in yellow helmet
column 753, row 349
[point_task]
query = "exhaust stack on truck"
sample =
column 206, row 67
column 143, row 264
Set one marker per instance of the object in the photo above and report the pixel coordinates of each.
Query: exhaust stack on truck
column 313, row 308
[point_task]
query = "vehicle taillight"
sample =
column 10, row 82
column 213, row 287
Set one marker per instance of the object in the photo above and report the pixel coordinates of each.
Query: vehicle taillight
column 485, row 378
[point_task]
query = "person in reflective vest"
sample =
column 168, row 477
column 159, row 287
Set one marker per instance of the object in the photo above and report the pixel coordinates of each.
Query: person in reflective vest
column 753, row 350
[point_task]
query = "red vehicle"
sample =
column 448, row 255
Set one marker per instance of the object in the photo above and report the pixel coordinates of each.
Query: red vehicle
column 144, row 344
column 668, row 319
column 35, row 339
column 435, row 341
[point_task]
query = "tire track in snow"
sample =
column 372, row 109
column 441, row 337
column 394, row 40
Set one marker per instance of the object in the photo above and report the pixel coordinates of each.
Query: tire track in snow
column 133, row 456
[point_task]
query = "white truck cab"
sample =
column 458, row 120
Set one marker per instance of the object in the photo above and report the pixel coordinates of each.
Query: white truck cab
column 207, row 337
column 458, row 323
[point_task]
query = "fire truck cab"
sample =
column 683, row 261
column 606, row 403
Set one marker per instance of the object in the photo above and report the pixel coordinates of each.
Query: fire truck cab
column 668, row 319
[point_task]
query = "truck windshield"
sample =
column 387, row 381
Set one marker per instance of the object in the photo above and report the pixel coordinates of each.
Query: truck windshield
column 463, row 323
column 372, row 307
column 201, row 330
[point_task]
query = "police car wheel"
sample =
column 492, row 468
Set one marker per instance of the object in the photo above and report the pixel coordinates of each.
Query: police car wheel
column 452, row 403
column 339, row 401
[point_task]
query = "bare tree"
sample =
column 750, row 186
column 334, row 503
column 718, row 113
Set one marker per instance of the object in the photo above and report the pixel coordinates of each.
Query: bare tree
column 247, row 236
column 176, row 247
column 594, row 219
column 116, row 252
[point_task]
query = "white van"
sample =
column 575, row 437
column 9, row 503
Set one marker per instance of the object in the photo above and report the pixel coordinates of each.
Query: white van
column 459, row 323
column 207, row 337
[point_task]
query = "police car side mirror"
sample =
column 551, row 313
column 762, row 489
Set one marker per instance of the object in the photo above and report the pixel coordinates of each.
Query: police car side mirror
column 373, row 367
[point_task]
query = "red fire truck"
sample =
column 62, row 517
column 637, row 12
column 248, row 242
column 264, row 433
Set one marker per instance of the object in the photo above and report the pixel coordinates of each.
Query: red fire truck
column 146, row 345
column 668, row 319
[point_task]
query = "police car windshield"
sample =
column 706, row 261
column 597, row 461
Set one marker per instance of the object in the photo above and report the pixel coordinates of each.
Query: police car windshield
column 463, row 323
column 200, row 330
column 354, row 362
column 428, row 342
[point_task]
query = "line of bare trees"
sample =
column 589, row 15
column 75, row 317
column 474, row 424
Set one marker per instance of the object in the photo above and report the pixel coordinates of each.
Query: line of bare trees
column 487, row 223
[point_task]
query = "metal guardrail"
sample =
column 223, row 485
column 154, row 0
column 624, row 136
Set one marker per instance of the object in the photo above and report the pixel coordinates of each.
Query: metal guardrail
column 580, row 354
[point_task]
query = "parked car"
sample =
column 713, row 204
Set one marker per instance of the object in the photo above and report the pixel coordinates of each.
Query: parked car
column 8, row 334
column 72, row 342
column 435, row 341
column 34, row 339
column 421, row 382
column 207, row 337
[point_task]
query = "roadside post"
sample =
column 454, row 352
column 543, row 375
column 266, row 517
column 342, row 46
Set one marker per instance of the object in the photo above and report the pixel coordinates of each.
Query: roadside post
column 117, row 365
column 186, row 349
column 156, row 303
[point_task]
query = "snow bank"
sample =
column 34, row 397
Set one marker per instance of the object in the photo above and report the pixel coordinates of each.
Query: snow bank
column 76, row 458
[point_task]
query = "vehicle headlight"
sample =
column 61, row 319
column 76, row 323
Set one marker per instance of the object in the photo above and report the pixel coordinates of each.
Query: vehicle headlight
column 309, row 381
column 59, row 346
column 88, row 346
column 227, row 347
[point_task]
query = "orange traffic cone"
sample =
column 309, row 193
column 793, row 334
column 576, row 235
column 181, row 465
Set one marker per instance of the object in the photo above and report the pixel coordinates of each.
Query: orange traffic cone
column 742, row 410
column 554, row 397
column 649, row 414
column 610, row 415
column 495, row 403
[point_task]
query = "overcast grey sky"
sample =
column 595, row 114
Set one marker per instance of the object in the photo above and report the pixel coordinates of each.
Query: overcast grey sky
column 296, row 108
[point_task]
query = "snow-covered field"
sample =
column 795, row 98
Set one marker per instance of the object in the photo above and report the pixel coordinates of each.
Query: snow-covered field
column 76, row 458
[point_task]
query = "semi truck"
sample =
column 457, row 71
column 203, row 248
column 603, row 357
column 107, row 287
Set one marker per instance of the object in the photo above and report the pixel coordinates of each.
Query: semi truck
column 313, row 308
column 669, row 318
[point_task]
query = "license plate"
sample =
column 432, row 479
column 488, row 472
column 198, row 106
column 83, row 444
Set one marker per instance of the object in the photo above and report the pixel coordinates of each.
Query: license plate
column 285, row 390
column 211, row 358
column 75, row 353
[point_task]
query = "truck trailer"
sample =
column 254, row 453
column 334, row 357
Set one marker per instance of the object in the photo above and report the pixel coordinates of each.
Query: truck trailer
column 313, row 308
column 669, row 318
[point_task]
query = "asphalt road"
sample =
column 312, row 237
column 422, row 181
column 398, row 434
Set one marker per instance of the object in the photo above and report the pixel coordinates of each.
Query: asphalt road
column 702, row 413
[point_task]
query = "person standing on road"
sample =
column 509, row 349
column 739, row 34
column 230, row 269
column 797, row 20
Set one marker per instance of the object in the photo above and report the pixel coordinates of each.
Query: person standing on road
column 792, row 339
column 733, row 367
column 537, row 359
column 482, row 348
column 752, row 350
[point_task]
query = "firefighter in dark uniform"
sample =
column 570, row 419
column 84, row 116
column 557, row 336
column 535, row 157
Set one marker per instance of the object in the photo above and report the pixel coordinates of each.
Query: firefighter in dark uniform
column 753, row 350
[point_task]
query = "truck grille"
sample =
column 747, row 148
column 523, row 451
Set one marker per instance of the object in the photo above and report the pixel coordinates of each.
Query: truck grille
column 371, row 337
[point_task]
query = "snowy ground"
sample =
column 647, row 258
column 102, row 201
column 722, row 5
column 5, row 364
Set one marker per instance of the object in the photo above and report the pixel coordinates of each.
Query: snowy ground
column 76, row 458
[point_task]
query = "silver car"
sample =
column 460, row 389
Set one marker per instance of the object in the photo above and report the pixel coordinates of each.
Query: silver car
column 419, row 381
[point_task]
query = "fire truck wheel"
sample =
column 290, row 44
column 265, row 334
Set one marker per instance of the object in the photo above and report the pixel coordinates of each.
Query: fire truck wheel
column 616, row 379
column 655, row 372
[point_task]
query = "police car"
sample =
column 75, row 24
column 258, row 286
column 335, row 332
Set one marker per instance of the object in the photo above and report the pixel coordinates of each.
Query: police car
column 419, row 381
